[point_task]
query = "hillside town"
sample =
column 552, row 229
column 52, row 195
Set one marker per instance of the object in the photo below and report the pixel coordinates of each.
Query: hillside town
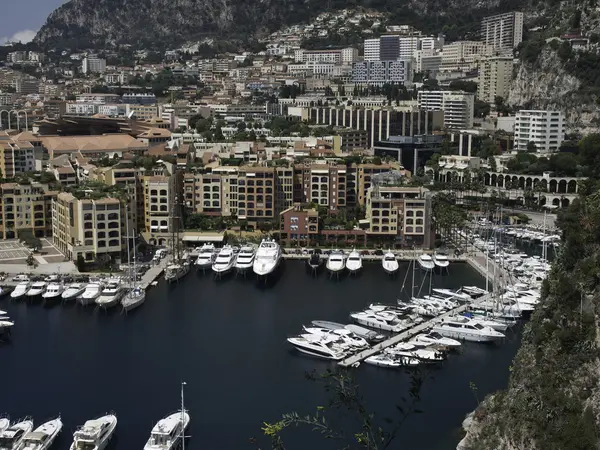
column 320, row 146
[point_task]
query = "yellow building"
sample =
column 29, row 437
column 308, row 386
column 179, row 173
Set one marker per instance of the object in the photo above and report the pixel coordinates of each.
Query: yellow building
column 88, row 227
column 25, row 207
column 15, row 156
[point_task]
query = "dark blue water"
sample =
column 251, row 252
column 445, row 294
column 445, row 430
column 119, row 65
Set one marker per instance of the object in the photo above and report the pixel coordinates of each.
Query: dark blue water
column 226, row 339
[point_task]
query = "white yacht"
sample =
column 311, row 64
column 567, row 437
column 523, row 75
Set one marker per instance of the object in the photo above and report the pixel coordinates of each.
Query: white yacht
column 452, row 295
column 343, row 337
column 176, row 270
column 245, row 258
column 466, row 329
column 206, row 256
column 12, row 437
column 37, row 289
column 390, row 263
column 336, row 262
column 4, row 424
column 224, row 261
column 53, row 292
column 73, row 291
column 43, row 436
column 112, row 293
column 354, row 262
column 20, row 290
column 167, row 433
column 268, row 256
column 319, row 346
column 380, row 321
column 438, row 339
column 391, row 361
column 410, row 350
column 365, row 333
column 425, row 261
column 90, row 294
column 95, row 434
column 441, row 260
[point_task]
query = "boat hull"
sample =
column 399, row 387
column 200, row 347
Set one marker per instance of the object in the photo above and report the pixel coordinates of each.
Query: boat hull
column 463, row 336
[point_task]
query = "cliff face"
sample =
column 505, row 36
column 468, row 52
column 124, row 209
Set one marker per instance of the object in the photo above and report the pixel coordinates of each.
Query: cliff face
column 545, row 84
column 552, row 401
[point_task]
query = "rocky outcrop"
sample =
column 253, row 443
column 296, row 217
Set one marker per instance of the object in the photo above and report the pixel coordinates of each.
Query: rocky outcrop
column 545, row 84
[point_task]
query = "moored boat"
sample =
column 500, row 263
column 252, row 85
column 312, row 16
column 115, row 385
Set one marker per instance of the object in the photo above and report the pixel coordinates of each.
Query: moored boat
column 95, row 434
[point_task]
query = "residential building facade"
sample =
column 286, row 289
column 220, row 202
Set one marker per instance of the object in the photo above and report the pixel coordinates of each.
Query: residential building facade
column 503, row 31
column 495, row 76
column 25, row 207
column 458, row 107
column 545, row 129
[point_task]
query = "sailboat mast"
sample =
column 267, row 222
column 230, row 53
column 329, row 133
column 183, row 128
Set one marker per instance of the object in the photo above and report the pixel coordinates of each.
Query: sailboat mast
column 128, row 252
column 412, row 289
column 182, row 418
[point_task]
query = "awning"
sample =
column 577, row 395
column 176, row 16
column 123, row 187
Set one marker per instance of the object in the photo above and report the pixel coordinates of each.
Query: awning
column 211, row 238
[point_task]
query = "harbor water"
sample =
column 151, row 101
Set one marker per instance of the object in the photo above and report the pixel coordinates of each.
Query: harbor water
column 227, row 340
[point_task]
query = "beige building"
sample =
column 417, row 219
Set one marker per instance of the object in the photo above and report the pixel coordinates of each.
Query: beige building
column 462, row 54
column 26, row 207
column 16, row 156
column 256, row 193
column 93, row 146
column 400, row 213
column 88, row 227
column 495, row 76
column 157, row 204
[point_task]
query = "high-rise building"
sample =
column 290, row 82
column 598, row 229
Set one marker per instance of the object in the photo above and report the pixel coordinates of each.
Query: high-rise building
column 546, row 129
column 379, row 73
column 464, row 54
column 458, row 107
column 389, row 47
column 88, row 227
column 503, row 31
column 93, row 64
column 371, row 50
column 15, row 156
column 495, row 75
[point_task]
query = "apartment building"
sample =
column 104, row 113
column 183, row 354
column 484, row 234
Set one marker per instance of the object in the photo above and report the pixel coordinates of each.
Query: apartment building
column 141, row 112
column 25, row 207
column 16, row 156
column 298, row 224
column 99, row 99
column 503, row 31
column 379, row 122
column 378, row 73
column 88, row 227
column 464, row 54
column 495, row 76
column 256, row 193
column 371, row 50
column 322, row 184
column 336, row 56
column 158, row 204
column 546, row 129
column 93, row 64
column 458, row 107
column 284, row 188
column 399, row 213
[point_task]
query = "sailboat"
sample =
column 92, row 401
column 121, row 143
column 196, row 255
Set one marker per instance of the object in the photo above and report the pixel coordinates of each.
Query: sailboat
column 135, row 295
column 179, row 267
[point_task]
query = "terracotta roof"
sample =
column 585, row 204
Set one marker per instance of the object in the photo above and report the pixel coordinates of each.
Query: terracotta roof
column 155, row 133
column 107, row 143
column 65, row 169
column 27, row 136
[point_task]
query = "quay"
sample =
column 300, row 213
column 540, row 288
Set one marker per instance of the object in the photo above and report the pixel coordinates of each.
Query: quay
column 406, row 334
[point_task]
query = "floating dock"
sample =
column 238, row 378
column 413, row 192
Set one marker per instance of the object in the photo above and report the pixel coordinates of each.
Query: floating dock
column 407, row 334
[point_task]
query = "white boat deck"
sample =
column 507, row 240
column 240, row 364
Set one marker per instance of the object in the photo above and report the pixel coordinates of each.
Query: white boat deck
column 407, row 334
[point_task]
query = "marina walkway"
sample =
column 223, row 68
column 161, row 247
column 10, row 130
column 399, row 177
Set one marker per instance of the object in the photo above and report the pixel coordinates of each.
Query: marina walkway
column 406, row 334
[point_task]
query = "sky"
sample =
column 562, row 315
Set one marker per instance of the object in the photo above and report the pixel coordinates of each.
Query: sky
column 21, row 19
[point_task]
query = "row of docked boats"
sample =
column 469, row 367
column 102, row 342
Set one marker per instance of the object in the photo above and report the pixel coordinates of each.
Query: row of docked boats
column 103, row 293
column 95, row 434
column 262, row 260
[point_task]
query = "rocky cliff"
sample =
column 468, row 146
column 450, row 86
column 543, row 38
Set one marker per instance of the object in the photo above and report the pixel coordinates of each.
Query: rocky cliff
column 553, row 398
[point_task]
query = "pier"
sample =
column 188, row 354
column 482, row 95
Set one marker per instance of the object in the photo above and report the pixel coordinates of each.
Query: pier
column 407, row 334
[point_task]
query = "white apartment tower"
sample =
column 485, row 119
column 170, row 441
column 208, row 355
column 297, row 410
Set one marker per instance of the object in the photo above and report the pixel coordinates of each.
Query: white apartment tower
column 458, row 107
column 371, row 50
column 546, row 129
column 495, row 75
column 93, row 64
column 503, row 31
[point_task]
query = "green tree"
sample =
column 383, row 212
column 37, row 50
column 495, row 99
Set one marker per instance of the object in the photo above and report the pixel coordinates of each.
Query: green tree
column 80, row 263
column 531, row 147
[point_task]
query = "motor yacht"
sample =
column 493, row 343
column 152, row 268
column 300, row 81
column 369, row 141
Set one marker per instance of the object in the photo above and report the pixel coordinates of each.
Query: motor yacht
column 53, row 292
column 390, row 263
column 463, row 328
column 20, row 290
column 474, row 291
column 327, row 324
column 168, row 432
column 245, row 258
column 90, row 294
column 315, row 261
column 409, row 350
column 112, row 293
column 43, row 436
column 95, row 434
column 176, row 271
column 425, row 262
column 368, row 335
column 37, row 289
column 73, row 291
column 267, row 259
column 342, row 336
column 452, row 295
column 436, row 338
column 381, row 321
column 319, row 346
column 441, row 260
column 336, row 262
column 391, row 361
column 498, row 325
column 12, row 437
column 4, row 424
column 5, row 290
column 206, row 256
column 354, row 262
column 224, row 261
